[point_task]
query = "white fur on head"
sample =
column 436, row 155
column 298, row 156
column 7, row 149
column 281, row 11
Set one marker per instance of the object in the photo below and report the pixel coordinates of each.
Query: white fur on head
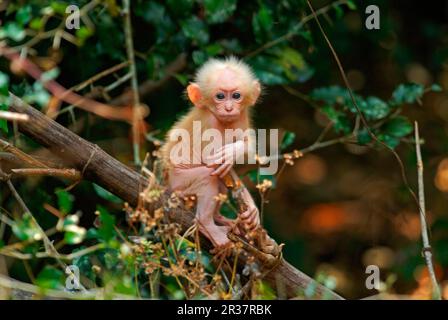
column 206, row 74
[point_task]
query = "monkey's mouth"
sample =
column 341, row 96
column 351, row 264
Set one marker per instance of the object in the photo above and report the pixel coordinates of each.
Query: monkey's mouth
column 229, row 117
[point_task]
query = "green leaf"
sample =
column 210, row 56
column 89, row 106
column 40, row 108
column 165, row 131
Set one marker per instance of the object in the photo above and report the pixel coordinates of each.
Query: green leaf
column 50, row 278
column 375, row 108
column 59, row 7
column 84, row 264
column 288, row 139
column 262, row 23
column 218, row 11
column 3, row 122
column 38, row 95
column 182, row 78
column 331, row 95
column 26, row 229
column 111, row 259
column 4, row 83
column 107, row 221
column 213, row 49
column 339, row 119
column 156, row 14
column 264, row 291
column 389, row 140
column 83, row 33
column 50, row 74
column 268, row 70
column 65, row 200
column 436, row 88
column 307, row 35
column 23, row 15
column 294, row 65
column 74, row 234
column 12, row 30
column 351, row 5
column 105, row 194
column 36, row 24
column 199, row 57
column 407, row 93
column 293, row 58
column 363, row 137
column 70, row 220
column 339, row 12
column 398, row 127
column 126, row 286
column 195, row 29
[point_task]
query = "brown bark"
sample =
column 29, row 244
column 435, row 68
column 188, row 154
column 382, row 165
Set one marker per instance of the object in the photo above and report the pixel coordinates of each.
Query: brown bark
column 99, row 167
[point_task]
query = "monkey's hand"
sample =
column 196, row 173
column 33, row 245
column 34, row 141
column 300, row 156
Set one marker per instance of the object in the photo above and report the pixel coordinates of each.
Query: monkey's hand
column 250, row 218
column 225, row 157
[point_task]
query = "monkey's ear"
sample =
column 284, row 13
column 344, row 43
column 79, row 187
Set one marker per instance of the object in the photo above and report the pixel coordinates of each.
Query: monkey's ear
column 194, row 94
column 256, row 87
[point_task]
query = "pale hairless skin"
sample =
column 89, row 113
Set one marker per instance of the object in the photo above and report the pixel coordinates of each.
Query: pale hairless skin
column 225, row 108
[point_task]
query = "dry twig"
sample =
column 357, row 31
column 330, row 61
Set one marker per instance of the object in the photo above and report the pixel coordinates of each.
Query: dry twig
column 426, row 252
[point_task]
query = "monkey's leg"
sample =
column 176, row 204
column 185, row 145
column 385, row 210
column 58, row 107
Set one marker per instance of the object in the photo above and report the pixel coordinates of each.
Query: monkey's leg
column 206, row 187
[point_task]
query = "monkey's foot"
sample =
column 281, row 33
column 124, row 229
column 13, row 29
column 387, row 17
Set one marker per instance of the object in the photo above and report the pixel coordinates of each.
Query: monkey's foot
column 265, row 243
column 266, row 251
column 234, row 225
column 216, row 234
column 224, row 221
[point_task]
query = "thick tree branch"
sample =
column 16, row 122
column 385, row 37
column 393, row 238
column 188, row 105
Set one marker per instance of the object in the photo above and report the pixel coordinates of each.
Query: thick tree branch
column 97, row 166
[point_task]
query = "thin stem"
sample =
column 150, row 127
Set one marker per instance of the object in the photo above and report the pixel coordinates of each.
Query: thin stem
column 100, row 75
column 13, row 116
column 358, row 110
column 301, row 96
column 427, row 253
column 7, row 282
column 49, row 247
column 71, row 174
column 22, row 155
column 104, row 91
column 136, row 99
column 294, row 29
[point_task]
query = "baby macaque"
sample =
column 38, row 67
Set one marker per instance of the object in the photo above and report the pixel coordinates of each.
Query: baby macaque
column 222, row 93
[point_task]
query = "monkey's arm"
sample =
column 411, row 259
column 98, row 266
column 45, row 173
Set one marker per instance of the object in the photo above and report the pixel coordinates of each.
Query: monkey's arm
column 230, row 154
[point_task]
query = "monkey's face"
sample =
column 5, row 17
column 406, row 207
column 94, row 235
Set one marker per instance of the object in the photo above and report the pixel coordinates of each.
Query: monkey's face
column 228, row 96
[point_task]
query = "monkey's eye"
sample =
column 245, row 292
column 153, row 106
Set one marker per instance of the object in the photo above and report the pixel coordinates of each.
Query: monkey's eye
column 236, row 95
column 220, row 96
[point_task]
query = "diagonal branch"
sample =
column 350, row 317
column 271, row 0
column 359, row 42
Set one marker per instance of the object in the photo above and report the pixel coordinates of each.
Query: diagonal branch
column 99, row 167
